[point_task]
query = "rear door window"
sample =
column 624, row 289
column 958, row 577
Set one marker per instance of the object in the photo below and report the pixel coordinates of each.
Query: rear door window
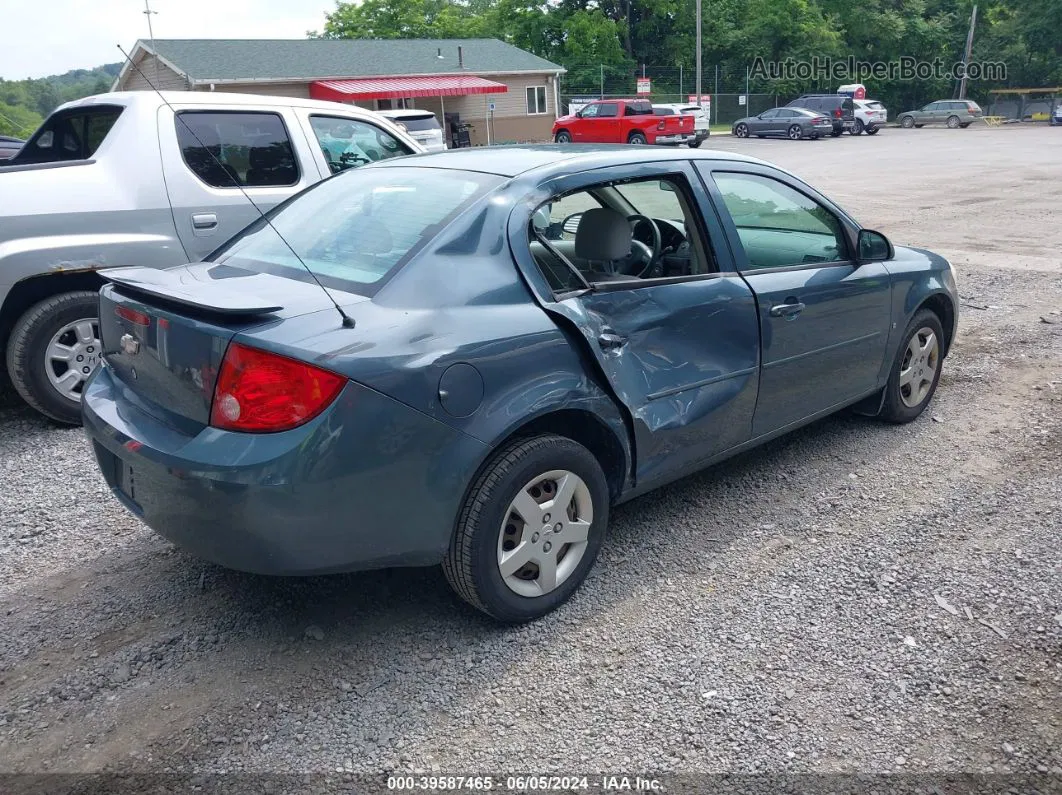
column 349, row 143
column 608, row 110
column 69, row 135
column 230, row 149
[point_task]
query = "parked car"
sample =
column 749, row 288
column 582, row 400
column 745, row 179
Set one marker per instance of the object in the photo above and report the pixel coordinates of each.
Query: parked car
column 9, row 146
column 792, row 123
column 422, row 126
column 623, row 121
column 952, row 112
column 870, row 116
column 522, row 338
column 702, row 125
column 1056, row 114
column 119, row 179
column 840, row 108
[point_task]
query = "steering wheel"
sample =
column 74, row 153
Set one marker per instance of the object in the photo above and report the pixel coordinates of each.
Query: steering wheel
column 642, row 258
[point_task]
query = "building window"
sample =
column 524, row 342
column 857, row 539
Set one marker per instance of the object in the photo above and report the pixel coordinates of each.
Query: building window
column 536, row 100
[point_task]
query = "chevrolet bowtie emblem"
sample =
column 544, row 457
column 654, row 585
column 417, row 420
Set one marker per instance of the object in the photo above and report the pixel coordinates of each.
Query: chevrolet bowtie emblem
column 130, row 345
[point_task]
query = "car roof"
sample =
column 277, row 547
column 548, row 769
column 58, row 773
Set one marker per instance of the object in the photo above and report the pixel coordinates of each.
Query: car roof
column 134, row 99
column 550, row 159
column 398, row 113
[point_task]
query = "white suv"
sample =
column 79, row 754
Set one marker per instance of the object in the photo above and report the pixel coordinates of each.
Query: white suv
column 701, row 122
column 870, row 116
column 421, row 125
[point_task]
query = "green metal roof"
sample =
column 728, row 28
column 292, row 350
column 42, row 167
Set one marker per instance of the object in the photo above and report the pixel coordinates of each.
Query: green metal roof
column 311, row 59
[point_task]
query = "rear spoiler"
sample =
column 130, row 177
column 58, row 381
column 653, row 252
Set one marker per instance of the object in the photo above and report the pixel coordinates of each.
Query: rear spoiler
column 187, row 288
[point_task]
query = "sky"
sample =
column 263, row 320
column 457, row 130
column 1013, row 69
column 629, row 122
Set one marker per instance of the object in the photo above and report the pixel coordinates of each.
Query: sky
column 37, row 41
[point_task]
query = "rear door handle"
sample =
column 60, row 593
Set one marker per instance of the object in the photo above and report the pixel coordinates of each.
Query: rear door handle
column 788, row 310
column 610, row 342
column 204, row 221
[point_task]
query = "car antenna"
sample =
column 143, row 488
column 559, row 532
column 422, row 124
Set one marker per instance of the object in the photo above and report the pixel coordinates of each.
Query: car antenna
column 348, row 321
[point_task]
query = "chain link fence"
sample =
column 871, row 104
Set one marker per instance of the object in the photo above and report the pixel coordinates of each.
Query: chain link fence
column 733, row 94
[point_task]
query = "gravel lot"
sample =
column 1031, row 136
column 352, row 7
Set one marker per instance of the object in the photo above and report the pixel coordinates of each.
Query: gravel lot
column 854, row 597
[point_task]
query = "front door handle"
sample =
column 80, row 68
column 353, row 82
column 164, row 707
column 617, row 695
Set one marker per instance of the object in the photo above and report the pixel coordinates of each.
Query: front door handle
column 610, row 342
column 205, row 221
column 787, row 310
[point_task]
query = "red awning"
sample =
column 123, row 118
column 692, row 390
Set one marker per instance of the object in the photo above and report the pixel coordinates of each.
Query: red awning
column 400, row 87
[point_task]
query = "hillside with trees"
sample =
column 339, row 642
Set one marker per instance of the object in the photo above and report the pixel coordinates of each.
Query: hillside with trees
column 24, row 103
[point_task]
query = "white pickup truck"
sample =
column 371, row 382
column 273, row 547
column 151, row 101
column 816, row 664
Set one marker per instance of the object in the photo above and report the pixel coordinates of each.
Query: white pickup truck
column 130, row 179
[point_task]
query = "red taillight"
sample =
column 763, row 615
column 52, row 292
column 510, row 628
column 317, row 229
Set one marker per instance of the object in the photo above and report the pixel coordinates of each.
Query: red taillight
column 261, row 392
column 137, row 318
column 837, row 112
column 660, row 125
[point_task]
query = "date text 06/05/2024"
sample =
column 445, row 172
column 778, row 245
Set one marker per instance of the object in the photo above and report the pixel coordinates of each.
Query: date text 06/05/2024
column 523, row 783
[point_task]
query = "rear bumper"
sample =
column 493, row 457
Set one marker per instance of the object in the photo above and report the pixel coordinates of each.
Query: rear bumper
column 675, row 138
column 370, row 483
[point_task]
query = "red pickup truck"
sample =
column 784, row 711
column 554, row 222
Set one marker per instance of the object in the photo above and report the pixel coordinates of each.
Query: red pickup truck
column 622, row 121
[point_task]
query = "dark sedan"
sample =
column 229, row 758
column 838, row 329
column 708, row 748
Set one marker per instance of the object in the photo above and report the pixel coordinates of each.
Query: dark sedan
column 522, row 338
column 792, row 123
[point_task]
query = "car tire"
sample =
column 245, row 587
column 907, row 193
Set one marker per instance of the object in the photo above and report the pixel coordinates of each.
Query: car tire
column 794, row 133
column 637, row 138
column 490, row 525
column 562, row 137
column 859, row 128
column 836, row 133
column 696, row 144
column 741, row 131
column 872, row 130
column 907, row 122
column 913, row 381
column 35, row 375
column 965, row 125
column 953, row 122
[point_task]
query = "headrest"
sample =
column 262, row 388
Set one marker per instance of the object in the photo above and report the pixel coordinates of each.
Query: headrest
column 603, row 235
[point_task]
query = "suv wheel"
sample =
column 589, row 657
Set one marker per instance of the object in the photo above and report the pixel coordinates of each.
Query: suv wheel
column 54, row 348
column 859, row 128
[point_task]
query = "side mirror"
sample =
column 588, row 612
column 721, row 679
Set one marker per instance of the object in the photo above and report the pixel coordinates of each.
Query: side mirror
column 665, row 185
column 874, row 246
column 541, row 218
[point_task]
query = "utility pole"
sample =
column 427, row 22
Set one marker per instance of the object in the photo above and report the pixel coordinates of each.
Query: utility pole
column 966, row 56
column 698, row 80
column 602, row 81
column 151, row 35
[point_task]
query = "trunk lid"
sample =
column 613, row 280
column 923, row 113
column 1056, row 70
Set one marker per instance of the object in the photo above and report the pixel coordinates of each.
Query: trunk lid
column 165, row 333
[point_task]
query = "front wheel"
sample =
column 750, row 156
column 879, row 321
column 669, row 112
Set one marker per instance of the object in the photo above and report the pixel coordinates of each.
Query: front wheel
column 916, row 371
column 563, row 137
column 795, row 133
column 859, row 128
column 530, row 529
column 53, row 349
column 638, row 139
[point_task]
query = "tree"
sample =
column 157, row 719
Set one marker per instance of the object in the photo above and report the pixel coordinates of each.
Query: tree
column 18, row 121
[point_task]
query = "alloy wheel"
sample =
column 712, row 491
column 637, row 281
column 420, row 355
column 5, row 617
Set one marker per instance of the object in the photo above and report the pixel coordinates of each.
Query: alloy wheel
column 795, row 133
column 72, row 354
column 918, row 371
column 545, row 533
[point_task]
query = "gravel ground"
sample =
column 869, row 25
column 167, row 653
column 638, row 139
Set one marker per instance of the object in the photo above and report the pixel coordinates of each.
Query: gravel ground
column 852, row 598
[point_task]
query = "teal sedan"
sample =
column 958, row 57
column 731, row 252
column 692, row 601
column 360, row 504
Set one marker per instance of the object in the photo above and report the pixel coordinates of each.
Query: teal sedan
column 468, row 358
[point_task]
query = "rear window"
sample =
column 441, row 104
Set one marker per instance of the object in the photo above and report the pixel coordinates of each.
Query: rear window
column 419, row 123
column 875, row 106
column 691, row 109
column 73, row 134
column 638, row 109
column 664, row 111
column 356, row 229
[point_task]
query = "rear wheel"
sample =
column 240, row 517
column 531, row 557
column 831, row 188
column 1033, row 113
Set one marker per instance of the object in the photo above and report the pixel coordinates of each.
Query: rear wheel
column 967, row 124
column 953, row 122
column 907, row 122
column 530, row 529
column 637, row 138
column 794, row 132
column 742, row 131
column 563, row 137
column 916, row 371
column 53, row 349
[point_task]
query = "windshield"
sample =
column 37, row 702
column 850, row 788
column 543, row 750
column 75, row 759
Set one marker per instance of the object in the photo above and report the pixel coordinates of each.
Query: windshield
column 355, row 229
